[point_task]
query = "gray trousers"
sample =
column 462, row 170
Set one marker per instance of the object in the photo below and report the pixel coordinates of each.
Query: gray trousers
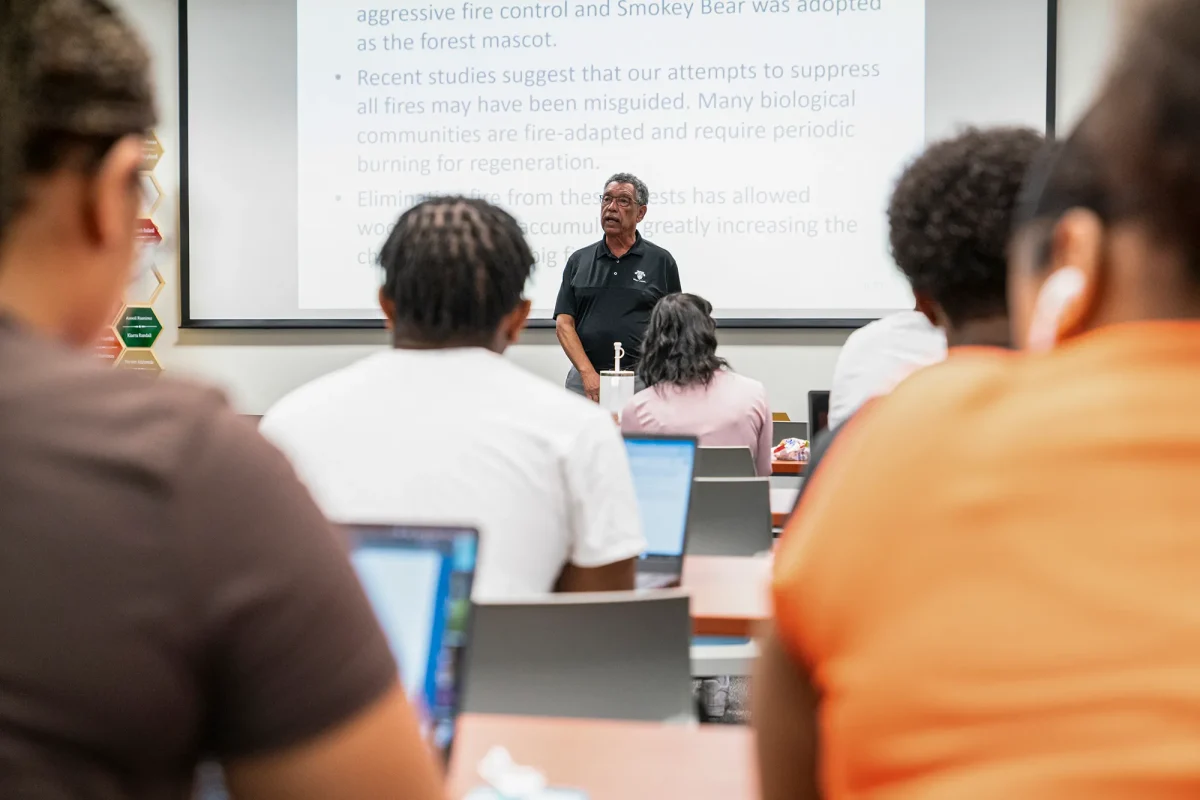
column 575, row 382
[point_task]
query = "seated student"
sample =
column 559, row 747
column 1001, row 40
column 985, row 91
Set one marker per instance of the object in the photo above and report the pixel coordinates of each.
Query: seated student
column 949, row 221
column 692, row 391
column 442, row 428
column 170, row 591
column 1008, row 608
column 877, row 356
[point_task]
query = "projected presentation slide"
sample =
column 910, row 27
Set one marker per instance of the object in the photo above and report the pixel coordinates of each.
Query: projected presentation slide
column 769, row 132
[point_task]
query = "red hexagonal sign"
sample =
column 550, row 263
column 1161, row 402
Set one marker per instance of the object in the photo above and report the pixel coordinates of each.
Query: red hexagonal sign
column 109, row 346
column 148, row 232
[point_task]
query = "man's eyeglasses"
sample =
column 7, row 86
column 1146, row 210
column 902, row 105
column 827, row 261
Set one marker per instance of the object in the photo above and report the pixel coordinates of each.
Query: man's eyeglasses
column 621, row 201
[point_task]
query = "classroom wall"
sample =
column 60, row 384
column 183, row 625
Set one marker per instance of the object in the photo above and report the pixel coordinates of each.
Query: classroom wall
column 258, row 367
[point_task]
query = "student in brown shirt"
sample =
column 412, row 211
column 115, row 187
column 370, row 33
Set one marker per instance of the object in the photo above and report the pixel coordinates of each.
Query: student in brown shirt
column 169, row 591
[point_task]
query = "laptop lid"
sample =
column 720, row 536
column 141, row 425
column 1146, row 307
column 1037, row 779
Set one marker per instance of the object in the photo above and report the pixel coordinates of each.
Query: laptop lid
column 662, row 469
column 418, row 580
column 818, row 413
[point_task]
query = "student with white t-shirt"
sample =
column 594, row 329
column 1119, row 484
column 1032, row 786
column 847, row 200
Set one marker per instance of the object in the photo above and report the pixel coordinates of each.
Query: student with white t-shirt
column 949, row 221
column 444, row 429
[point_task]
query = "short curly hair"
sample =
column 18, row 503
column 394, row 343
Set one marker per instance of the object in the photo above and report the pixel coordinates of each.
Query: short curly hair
column 951, row 215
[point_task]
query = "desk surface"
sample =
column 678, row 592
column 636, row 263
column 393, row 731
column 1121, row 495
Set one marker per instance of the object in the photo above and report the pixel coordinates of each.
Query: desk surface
column 612, row 760
column 782, row 502
column 730, row 596
column 788, row 467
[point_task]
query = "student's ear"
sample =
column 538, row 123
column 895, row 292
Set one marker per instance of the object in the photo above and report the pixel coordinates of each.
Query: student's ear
column 1071, row 291
column 115, row 198
column 514, row 323
column 389, row 308
column 931, row 310
column 642, row 214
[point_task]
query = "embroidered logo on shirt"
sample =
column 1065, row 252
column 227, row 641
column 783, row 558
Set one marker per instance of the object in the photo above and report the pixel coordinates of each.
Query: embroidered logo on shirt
column 639, row 276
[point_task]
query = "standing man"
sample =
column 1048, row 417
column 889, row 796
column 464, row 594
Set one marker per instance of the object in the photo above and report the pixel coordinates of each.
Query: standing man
column 609, row 288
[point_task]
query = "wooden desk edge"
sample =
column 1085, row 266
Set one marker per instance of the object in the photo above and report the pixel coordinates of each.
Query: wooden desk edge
column 788, row 467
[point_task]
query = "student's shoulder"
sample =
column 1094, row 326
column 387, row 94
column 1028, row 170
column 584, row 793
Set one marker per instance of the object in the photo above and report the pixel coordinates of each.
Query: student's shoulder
column 142, row 425
column 320, row 395
column 956, row 392
column 751, row 390
column 546, row 405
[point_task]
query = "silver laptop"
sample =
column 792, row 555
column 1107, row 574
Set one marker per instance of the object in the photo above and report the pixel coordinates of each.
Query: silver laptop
column 662, row 469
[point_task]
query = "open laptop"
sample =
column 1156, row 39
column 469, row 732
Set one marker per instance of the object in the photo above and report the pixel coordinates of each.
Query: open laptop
column 418, row 580
column 662, row 469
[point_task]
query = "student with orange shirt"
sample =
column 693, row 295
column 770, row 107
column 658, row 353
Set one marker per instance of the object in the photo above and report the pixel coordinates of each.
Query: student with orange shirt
column 1008, row 608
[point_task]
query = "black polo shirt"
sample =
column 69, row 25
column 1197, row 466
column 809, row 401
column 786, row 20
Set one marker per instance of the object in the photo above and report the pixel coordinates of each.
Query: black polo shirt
column 611, row 298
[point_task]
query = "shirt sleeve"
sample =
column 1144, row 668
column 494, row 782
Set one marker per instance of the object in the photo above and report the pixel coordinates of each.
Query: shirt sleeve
column 291, row 646
column 673, row 284
column 766, row 437
column 565, row 304
column 605, row 523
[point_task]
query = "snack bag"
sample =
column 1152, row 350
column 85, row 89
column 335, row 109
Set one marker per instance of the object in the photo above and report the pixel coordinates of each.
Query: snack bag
column 791, row 450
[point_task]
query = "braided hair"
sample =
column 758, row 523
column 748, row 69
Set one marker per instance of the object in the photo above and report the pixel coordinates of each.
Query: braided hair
column 454, row 267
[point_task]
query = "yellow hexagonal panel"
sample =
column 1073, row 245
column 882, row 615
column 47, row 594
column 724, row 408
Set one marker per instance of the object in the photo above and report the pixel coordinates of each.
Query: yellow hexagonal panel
column 152, row 151
column 147, row 282
column 139, row 360
column 152, row 193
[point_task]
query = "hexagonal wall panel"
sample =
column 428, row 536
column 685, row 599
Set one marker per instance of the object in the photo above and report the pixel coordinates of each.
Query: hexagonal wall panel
column 147, row 282
column 109, row 346
column 152, row 151
column 139, row 327
column 151, row 193
column 139, row 361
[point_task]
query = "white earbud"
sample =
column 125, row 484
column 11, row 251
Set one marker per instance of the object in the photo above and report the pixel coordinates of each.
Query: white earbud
column 1057, row 293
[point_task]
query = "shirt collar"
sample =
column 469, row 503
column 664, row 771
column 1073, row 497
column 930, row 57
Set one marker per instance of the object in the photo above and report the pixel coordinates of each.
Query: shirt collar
column 638, row 248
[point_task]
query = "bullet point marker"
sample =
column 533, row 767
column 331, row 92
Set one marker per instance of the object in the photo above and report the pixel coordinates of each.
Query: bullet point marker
column 337, row 77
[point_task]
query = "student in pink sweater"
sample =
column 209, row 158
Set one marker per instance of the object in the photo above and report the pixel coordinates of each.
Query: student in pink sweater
column 690, row 390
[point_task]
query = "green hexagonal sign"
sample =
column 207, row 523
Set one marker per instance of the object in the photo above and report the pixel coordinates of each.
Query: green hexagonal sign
column 138, row 326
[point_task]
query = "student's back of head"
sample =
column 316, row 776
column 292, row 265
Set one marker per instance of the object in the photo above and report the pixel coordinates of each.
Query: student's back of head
column 1111, row 227
column 949, row 219
column 455, row 271
column 170, row 590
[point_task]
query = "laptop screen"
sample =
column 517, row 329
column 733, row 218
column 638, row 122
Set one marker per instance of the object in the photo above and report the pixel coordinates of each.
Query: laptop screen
column 662, row 477
column 418, row 580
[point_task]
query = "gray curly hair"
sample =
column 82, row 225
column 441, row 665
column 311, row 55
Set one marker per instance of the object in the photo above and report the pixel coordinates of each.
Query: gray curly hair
column 640, row 192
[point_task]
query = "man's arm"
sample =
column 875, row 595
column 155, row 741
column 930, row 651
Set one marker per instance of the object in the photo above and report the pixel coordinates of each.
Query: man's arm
column 301, row 692
column 620, row 576
column 784, row 714
column 565, row 313
column 564, row 328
